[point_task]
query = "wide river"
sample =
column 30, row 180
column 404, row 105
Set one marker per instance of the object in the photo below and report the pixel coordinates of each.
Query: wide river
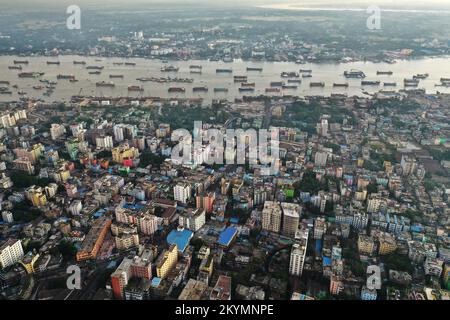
column 322, row 72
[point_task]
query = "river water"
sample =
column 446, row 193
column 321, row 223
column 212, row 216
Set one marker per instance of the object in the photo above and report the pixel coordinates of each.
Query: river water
column 322, row 72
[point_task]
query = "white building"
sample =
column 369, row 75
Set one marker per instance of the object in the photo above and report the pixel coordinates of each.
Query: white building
column 321, row 158
column 75, row 207
column 298, row 253
column 104, row 142
column 57, row 130
column 7, row 216
column 192, row 219
column 182, row 193
column 11, row 252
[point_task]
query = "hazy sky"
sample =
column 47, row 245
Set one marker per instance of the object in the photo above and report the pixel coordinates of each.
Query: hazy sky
column 136, row 3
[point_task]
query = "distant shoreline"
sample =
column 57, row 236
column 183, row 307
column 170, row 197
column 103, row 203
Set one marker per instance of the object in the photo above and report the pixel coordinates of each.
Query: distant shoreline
column 299, row 7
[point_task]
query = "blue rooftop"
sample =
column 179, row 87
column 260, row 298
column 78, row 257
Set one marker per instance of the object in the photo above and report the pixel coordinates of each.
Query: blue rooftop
column 234, row 220
column 180, row 238
column 156, row 281
column 326, row 261
column 226, row 236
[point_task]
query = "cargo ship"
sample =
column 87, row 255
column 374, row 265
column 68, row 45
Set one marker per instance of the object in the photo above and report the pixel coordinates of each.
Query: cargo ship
column 356, row 74
column 294, row 81
column 95, row 72
column 4, row 82
column 421, row 76
column 176, row 89
column 30, row 74
column 200, row 89
column 116, row 76
column 65, row 77
column 79, row 62
column 53, row 63
column 135, row 88
column 276, row 84
column 95, row 67
column 105, row 84
column 273, row 90
column 305, row 71
column 240, row 78
column 132, row 64
column 290, row 75
column 254, row 69
column 15, row 67
column 220, row 89
column 307, row 75
column 390, row 84
column 247, row 84
column 290, row 87
column 445, row 79
column 38, row 87
column 370, row 83
column 21, row 61
column 196, row 71
column 224, row 70
column 73, row 80
column 246, row 89
column 195, row 66
column 411, row 82
column 169, row 69
column 317, row 84
column 385, row 73
column 343, row 85
column 5, row 92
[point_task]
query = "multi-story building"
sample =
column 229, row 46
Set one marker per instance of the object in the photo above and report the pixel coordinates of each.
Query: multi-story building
column 182, row 192
column 94, row 239
column 192, row 219
column 104, row 142
column 23, row 164
column 206, row 201
column 167, row 261
column 7, row 217
column 271, row 216
column 368, row 294
column 291, row 218
column 139, row 267
column 36, row 195
column 57, row 131
column 298, row 252
column 366, row 244
column 124, row 151
column 125, row 241
column 11, row 252
column 320, row 227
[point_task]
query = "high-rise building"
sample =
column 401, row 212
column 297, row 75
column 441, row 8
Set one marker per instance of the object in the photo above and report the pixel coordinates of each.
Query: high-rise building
column 182, row 192
column 271, row 216
column 104, row 142
column 7, row 216
column 11, row 252
column 167, row 261
column 298, row 252
column 57, row 131
column 291, row 218
column 192, row 219
column 139, row 267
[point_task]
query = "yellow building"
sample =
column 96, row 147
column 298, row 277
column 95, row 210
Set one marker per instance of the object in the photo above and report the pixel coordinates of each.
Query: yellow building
column 365, row 244
column 167, row 261
column 28, row 261
column 387, row 245
column 207, row 265
column 124, row 151
column 37, row 196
